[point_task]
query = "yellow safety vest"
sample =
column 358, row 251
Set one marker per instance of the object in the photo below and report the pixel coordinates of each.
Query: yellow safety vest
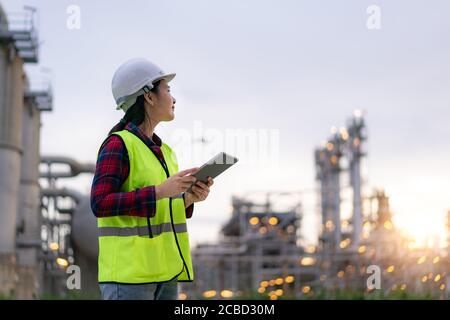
column 146, row 250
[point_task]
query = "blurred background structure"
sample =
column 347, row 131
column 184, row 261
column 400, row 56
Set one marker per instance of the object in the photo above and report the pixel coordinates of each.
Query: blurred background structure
column 260, row 252
column 45, row 227
column 36, row 216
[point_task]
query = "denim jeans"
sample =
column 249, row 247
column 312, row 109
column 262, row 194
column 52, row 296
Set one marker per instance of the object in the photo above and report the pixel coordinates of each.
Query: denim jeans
column 152, row 291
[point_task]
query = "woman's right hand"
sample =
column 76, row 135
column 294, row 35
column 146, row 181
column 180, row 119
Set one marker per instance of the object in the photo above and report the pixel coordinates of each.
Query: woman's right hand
column 176, row 184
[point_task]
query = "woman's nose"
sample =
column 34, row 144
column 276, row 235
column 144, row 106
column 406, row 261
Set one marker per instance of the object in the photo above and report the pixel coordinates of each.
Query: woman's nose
column 174, row 100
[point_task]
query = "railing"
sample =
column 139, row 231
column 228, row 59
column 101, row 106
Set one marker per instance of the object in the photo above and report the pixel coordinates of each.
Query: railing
column 42, row 97
column 23, row 32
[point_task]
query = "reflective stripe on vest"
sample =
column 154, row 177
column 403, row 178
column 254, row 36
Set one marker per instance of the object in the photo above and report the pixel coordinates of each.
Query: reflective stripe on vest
column 140, row 231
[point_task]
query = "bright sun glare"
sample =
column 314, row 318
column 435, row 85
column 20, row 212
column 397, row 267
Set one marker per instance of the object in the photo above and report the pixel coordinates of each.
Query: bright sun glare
column 423, row 232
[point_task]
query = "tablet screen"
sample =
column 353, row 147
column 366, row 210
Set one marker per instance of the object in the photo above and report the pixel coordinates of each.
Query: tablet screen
column 214, row 167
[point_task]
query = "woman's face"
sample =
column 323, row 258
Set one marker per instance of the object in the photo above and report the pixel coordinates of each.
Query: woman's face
column 162, row 103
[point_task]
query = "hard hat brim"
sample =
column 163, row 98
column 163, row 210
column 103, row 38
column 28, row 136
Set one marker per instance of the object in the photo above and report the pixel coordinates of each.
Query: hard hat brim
column 168, row 77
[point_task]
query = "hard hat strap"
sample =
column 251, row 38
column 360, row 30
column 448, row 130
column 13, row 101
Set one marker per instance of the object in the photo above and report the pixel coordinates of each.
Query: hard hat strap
column 146, row 89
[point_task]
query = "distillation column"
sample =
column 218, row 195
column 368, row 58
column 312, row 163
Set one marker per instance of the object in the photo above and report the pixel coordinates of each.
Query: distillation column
column 354, row 143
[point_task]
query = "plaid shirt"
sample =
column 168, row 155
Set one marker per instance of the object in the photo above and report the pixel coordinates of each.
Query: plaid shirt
column 112, row 169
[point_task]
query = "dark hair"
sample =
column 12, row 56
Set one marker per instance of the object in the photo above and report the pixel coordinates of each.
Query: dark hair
column 136, row 113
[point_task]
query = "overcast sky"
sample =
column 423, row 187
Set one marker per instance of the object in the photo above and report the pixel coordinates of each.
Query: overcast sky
column 295, row 68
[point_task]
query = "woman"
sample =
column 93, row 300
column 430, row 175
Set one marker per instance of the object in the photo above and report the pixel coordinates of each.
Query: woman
column 139, row 196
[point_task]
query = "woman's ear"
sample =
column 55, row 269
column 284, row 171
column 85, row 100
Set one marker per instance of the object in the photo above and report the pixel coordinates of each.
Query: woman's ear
column 149, row 98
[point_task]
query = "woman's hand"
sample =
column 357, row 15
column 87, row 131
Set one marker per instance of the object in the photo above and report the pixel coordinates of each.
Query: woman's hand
column 200, row 192
column 176, row 184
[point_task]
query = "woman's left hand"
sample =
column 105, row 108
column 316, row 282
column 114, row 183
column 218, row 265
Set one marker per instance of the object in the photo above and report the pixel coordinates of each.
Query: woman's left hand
column 200, row 192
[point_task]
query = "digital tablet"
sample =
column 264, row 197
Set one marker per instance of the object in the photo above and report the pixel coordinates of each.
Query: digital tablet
column 214, row 167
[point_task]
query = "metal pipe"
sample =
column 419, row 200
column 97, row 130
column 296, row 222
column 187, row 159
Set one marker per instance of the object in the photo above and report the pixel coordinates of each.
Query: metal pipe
column 63, row 192
column 75, row 167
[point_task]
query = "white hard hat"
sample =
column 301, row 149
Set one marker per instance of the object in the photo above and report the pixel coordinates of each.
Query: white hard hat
column 132, row 79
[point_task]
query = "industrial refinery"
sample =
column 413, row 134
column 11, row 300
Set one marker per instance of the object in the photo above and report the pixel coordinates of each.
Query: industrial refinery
column 260, row 254
column 46, row 227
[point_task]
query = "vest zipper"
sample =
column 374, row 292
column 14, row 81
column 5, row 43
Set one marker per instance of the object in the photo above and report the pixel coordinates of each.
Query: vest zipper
column 150, row 233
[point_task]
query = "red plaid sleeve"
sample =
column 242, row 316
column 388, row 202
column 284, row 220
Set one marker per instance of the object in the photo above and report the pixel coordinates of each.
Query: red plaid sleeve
column 111, row 171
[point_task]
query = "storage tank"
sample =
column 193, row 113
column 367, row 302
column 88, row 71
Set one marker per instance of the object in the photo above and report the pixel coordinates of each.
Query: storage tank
column 12, row 80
